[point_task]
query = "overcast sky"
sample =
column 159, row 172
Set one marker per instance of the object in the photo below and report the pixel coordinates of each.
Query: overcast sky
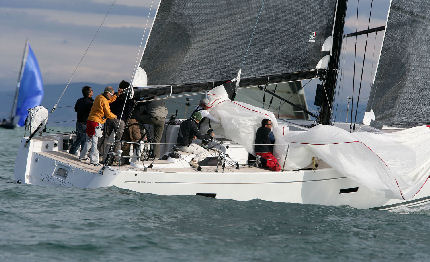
column 59, row 31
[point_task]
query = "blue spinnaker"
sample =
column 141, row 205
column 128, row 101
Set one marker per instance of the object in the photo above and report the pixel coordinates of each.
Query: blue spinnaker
column 31, row 87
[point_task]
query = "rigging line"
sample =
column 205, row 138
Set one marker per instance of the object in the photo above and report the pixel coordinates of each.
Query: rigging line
column 84, row 54
column 137, row 62
column 373, row 73
column 252, row 34
column 304, row 114
column 280, row 101
column 290, row 103
column 307, row 83
column 362, row 67
column 326, row 97
column 140, row 49
column 129, row 89
column 264, row 96
column 279, row 107
column 271, row 100
column 355, row 58
column 341, row 79
column 285, row 159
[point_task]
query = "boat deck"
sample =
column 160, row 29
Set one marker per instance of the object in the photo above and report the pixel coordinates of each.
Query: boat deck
column 74, row 161
column 71, row 160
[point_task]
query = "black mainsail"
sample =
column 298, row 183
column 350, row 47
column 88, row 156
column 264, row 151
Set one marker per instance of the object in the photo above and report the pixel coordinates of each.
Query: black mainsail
column 204, row 41
column 400, row 94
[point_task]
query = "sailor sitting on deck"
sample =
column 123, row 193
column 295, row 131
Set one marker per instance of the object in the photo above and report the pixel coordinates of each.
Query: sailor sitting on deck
column 188, row 131
column 210, row 142
column 264, row 140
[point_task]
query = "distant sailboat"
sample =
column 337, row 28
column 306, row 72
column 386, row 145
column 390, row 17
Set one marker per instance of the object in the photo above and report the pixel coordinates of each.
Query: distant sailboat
column 29, row 90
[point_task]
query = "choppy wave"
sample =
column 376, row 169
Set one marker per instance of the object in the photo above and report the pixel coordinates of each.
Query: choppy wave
column 111, row 224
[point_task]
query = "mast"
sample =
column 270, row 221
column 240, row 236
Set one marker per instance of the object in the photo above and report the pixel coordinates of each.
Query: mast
column 331, row 77
column 18, row 83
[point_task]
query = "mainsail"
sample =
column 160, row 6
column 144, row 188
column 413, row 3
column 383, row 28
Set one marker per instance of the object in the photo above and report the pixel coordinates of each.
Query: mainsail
column 207, row 41
column 400, row 94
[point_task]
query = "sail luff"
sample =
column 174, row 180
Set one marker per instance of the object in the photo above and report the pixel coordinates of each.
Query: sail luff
column 371, row 101
column 146, row 42
column 18, row 83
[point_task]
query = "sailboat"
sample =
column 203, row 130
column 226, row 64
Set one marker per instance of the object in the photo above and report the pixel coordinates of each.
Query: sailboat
column 28, row 92
column 225, row 48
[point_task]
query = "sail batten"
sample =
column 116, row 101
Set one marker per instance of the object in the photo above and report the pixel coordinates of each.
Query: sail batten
column 206, row 41
column 367, row 31
column 399, row 95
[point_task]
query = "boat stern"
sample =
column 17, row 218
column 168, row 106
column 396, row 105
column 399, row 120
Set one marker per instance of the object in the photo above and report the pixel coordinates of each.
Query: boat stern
column 24, row 158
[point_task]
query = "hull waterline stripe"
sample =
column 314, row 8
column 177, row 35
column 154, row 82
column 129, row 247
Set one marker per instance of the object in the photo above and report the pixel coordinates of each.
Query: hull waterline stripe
column 234, row 183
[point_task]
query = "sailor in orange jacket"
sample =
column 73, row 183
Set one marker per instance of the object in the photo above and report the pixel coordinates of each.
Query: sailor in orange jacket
column 100, row 111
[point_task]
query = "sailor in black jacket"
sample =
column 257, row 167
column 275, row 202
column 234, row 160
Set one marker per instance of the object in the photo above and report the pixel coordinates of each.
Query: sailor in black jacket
column 82, row 108
column 264, row 140
column 188, row 131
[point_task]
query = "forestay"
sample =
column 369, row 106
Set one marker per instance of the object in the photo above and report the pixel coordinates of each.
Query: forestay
column 400, row 94
column 207, row 41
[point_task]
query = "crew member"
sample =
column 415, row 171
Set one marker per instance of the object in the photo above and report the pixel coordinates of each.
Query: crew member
column 100, row 111
column 210, row 142
column 122, row 108
column 264, row 140
column 153, row 112
column 188, row 131
column 82, row 108
column 203, row 109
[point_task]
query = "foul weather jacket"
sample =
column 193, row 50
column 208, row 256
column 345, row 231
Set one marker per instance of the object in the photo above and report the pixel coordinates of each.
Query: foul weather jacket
column 100, row 110
column 187, row 131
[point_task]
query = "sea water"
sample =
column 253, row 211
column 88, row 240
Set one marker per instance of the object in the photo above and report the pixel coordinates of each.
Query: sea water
column 110, row 224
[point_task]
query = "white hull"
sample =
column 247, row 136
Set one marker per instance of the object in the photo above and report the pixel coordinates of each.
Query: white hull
column 42, row 162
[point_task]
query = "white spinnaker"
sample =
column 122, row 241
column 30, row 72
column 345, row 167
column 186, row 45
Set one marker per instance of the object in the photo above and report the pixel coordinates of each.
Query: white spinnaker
column 239, row 121
column 395, row 163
